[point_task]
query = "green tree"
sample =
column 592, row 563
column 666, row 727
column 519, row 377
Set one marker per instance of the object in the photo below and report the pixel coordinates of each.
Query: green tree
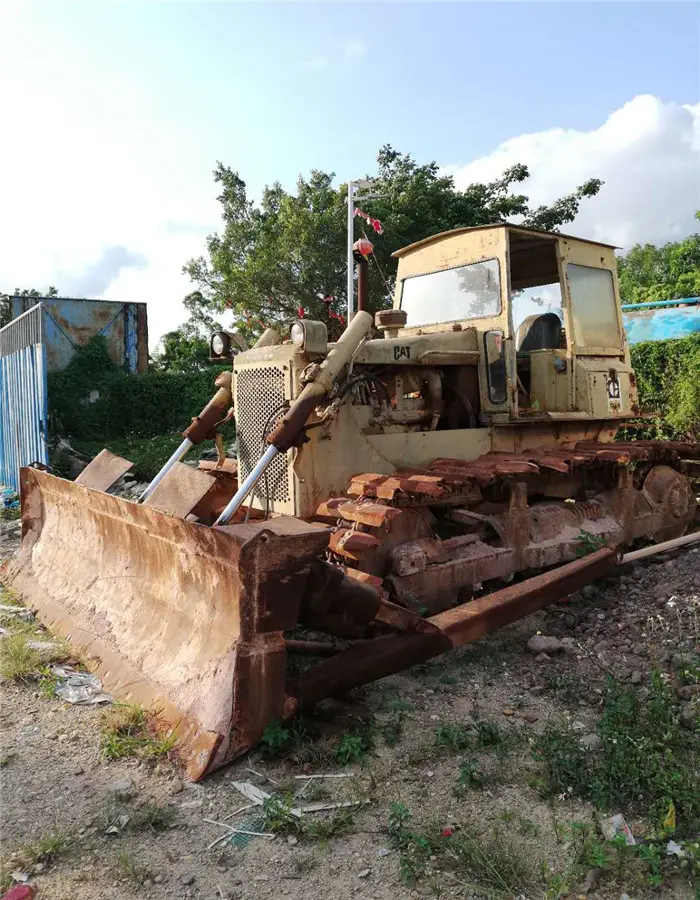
column 186, row 348
column 661, row 273
column 6, row 300
column 287, row 253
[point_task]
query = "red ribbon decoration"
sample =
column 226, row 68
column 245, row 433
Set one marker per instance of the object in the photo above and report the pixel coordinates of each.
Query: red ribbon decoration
column 374, row 223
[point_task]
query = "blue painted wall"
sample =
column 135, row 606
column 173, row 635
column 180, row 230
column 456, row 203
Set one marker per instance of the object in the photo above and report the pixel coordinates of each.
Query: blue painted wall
column 70, row 323
column 661, row 321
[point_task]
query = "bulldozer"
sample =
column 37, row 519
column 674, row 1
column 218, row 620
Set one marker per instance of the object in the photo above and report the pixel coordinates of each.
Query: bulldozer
column 443, row 468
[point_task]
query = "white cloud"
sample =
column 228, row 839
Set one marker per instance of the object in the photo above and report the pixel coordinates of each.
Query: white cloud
column 102, row 192
column 647, row 153
column 355, row 49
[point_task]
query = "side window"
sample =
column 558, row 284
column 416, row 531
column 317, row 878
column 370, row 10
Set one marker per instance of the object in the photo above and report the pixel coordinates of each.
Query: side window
column 494, row 346
column 593, row 306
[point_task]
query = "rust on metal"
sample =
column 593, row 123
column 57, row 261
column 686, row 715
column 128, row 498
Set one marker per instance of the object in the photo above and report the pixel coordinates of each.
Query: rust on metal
column 171, row 614
column 181, row 490
column 353, row 544
column 104, row 471
column 382, row 656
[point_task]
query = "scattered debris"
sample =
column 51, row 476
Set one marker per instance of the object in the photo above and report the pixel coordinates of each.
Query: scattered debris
column 383, row 851
column 251, row 792
column 674, row 849
column 19, row 892
column 230, row 830
column 78, row 687
column 591, row 741
column 331, row 775
column 364, row 873
column 616, row 825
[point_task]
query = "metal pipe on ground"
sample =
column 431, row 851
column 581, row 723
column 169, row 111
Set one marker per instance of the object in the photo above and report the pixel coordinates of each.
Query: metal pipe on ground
column 661, row 548
column 370, row 660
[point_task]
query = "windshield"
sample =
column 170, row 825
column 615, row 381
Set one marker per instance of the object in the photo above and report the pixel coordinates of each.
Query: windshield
column 465, row 292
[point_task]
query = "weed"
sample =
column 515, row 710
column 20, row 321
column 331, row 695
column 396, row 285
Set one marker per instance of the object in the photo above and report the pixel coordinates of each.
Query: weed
column 355, row 744
column 454, row 736
column 570, row 688
column 469, row 778
column 45, row 850
column 131, row 869
column 275, row 738
column 392, row 728
column 566, row 763
column 528, row 828
column 488, row 734
column 277, row 812
column 18, row 661
column 589, row 543
column 127, row 731
column 397, row 703
column 153, row 817
column 488, row 866
column 8, row 514
column 647, row 759
column 414, row 849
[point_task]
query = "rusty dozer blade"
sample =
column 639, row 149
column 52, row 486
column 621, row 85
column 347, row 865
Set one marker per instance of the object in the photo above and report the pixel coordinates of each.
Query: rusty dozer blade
column 181, row 618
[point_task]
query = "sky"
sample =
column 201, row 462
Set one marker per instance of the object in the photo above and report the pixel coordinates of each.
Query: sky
column 113, row 115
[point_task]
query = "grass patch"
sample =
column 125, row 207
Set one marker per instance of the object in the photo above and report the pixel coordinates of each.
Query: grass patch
column 647, row 759
column 130, row 730
column 10, row 515
column 634, row 867
column 488, row 865
column 483, row 734
column 128, row 868
column 302, row 741
column 153, row 817
column 392, row 728
column 470, row 778
column 278, row 819
column 19, row 661
column 44, row 850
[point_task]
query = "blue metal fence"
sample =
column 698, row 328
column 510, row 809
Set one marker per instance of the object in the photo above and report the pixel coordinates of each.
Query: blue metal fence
column 23, row 396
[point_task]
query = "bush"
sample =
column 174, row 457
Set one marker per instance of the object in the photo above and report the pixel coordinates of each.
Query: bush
column 668, row 379
column 157, row 403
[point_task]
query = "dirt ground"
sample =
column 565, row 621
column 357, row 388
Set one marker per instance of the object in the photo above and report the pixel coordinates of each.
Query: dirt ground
column 54, row 778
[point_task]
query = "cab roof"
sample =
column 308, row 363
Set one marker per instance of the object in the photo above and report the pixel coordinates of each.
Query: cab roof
column 522, row 229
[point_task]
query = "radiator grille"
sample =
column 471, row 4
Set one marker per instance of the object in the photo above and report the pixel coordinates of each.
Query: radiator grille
column 259, row 394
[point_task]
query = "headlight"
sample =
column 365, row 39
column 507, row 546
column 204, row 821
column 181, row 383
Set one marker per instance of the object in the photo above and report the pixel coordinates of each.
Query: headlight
column 297, row 334
column 220, row 344
column 310, row 336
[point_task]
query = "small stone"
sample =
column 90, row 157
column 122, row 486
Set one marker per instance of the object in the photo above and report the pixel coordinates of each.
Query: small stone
column 176, row 786
column 78, row 770
column 591, row 741
column 62, row 737
column 688, row 716
column 530, row 716
column 147, row 883
column 158, row 879
column 292, row 840
column 542, row 657
column 122, row 788
column 636, row 677
column 508, row 712
column 261, row 878
column 543, row 643
column 187, row 879
column 364, row 873
column 537, row 690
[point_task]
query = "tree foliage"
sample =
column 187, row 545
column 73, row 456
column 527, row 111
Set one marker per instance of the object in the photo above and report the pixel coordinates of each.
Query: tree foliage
column 186, row 348
column 288, row 252
column 661, row 273
column 6, row 300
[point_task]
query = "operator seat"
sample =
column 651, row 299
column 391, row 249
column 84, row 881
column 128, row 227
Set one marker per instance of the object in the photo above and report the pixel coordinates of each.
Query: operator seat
column 539, row 332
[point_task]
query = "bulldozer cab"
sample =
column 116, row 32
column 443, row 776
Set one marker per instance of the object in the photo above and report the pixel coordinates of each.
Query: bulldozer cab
column 546, row 311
